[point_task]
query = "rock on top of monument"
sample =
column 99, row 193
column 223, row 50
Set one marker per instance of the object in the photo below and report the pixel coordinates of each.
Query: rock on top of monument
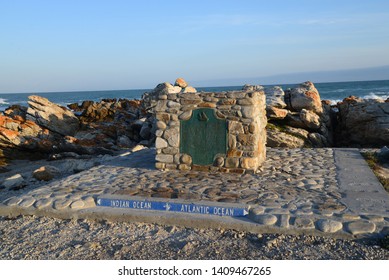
column 304, row 96
column 51, row 116
column 166, row 88
column 181, row 83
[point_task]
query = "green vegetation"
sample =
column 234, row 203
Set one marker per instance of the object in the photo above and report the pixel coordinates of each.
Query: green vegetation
column 374, row 164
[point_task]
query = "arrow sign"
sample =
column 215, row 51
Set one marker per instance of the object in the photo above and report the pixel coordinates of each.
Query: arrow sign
column 192, row 208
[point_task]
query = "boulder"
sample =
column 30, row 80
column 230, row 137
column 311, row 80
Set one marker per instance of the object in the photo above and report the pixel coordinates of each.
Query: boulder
column 274, row 113
column 14, row 182
column 286, row 137
column 98, row 111
column 46, row 173
column 181, row 83
column 363, row 122
column 189, row 89
column 310, row 119
column 317, row 140
column 74, row 106
column 166, row 88
column 383, row 155
column 305, row 96
column 16, row 132
column 51, row 116
column 248, row 87
column 275, row 97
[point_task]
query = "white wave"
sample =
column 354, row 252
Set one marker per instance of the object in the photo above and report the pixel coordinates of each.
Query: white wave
column 335, row 101
column 3, row 101
column 338, row 90
column 373, row 95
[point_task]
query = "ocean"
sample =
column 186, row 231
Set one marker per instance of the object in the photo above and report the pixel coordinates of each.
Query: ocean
column 330, row 91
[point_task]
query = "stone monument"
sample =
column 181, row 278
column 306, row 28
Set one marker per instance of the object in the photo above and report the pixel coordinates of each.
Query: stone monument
column 211, row 131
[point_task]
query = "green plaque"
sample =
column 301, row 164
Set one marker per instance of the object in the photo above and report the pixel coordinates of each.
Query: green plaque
column 203, row 136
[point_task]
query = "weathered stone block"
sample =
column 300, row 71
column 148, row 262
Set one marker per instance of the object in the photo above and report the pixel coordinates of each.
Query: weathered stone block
column 163, row 117
column 247, row 139
column 190, row 101
column 250, row 112
column 171, row 166
column 231, row 162
column 227, row 101
column 170, row 150
column 164, row 158
column 235, row 127
column 249, row 163
column 160, row 143
column 185, row 115
column 231, row 141
column 186, row 159
column 234, row 153
column 219, row 161
column 206, row 105
column 184, row 167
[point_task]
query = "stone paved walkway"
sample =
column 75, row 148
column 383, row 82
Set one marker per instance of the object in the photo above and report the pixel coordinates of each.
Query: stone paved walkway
column 313, row 191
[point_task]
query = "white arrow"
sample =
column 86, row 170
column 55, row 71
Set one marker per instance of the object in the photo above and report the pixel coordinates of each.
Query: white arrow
column 245, row 212
column 167, row 206
column 99, row 201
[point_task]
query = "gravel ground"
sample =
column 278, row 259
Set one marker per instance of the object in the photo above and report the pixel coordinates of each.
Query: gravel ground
column 45, row 238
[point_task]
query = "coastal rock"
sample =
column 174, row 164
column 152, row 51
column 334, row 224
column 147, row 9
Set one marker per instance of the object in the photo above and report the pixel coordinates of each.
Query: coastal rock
column 46, row 173
column 16, row 110
column 14, row 182
column 363, row 122
column 189, row 89
column 274, row 113
column 17, row 132
column 310, row 119
column 98, row 111
column 248, row 87
column 275, row 97
column 278, row 137
column 317, row 140
column 181, row 83
column 51, row 116
column 305, row 96
column 383, row 155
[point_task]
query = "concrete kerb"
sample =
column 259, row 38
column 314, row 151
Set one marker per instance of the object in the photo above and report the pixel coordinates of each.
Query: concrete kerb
column 162, row 218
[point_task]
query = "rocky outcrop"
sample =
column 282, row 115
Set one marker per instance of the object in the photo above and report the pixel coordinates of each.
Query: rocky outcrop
column 363, row 122
column 18, row 132
column 297, row 117
column 51, row 116
column 99, row 128
column 275, row 97
column 304, row 96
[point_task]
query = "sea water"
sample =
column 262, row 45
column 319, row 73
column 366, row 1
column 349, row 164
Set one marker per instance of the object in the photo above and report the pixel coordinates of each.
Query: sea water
column 334, row 92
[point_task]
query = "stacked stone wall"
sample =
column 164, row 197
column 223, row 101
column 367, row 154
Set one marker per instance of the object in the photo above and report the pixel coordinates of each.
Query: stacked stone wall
column 245, row 115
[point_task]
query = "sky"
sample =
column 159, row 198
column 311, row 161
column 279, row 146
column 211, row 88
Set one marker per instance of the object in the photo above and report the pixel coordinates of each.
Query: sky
column 97, row 45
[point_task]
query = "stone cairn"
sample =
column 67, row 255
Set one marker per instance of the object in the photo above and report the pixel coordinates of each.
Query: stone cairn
column 243, row 111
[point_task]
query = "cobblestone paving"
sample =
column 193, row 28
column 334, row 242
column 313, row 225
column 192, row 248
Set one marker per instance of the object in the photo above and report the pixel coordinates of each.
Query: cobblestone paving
column 295, row 189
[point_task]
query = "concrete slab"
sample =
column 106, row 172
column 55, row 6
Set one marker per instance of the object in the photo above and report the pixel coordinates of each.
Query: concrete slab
column 298, row 191
column 361, row 191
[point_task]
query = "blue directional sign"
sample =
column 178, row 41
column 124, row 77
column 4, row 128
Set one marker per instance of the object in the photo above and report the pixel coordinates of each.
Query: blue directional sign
column 173, row 207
